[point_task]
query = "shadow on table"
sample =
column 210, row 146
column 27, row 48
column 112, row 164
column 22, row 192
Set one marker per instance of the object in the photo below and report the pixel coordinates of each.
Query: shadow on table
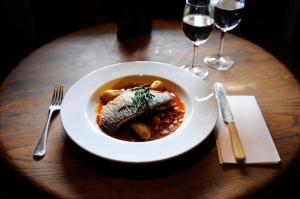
column 13, row 185
column 130, row 47
column 140, row 171
column 284, row 186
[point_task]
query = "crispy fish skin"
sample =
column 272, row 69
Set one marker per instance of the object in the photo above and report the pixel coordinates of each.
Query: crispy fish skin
column 119, row 110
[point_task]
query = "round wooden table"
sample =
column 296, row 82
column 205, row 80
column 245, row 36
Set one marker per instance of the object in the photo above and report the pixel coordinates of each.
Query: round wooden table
column 67, row 171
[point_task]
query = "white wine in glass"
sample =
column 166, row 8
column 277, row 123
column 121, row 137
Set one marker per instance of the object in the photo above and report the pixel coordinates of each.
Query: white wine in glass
column 197, row 26
column 227, row 15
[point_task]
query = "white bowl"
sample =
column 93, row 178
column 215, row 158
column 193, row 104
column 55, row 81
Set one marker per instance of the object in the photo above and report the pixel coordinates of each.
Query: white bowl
column 78, row 112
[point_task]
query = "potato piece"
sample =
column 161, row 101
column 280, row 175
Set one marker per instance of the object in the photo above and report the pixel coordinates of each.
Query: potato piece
column 142, row 130
column 157, row 85
column 109, row 95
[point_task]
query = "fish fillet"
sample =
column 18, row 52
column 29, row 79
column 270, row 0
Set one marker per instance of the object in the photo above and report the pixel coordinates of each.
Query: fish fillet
column 119, row 110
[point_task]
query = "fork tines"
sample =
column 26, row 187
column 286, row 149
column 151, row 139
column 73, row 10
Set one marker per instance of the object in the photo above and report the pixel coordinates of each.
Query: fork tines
column 57, row 95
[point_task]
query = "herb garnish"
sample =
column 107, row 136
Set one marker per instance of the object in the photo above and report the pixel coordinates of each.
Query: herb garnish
column 141, row 98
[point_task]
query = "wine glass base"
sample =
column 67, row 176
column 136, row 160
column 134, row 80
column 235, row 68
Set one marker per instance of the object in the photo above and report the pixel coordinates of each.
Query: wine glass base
column 219, row 62
column 199, row 71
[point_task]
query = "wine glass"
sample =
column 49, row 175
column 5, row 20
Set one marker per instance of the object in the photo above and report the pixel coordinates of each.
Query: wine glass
column 197, row 27
column 227, row 15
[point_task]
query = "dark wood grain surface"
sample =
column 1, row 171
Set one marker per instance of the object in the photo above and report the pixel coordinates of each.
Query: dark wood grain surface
column 67, row 171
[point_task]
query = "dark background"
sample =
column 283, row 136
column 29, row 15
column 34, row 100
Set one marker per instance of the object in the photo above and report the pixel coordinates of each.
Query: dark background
column 28, row 24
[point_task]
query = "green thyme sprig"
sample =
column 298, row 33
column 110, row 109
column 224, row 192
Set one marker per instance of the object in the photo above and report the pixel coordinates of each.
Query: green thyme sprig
column 141, row 99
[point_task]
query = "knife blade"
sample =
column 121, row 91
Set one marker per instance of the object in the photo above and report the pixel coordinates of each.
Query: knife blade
column 228, row 118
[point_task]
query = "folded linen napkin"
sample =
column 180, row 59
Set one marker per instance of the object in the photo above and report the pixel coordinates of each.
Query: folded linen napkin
column 254, row 134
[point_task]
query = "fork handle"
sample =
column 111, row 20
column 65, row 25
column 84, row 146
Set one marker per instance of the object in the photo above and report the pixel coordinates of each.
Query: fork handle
column 40, row 149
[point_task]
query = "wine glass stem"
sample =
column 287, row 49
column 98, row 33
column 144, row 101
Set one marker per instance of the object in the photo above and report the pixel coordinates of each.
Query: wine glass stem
column 194, row 56
column 221, row 44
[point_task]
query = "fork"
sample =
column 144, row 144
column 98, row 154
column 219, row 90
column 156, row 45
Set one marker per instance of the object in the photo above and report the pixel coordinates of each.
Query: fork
column 54, row 106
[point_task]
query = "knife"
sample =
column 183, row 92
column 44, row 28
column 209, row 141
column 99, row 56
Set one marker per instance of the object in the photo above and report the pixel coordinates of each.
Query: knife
column 228, row 118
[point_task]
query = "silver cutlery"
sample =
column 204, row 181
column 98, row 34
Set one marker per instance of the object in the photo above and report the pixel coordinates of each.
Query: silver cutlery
column 228, row 118
column 54, row 106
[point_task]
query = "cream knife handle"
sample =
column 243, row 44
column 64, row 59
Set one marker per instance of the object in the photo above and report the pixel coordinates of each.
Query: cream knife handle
column 236, row 143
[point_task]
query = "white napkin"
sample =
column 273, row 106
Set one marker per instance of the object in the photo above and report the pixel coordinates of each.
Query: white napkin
column 254, row 134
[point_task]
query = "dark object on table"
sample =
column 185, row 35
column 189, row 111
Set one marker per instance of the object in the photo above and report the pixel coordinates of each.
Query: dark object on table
column 133, row 19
